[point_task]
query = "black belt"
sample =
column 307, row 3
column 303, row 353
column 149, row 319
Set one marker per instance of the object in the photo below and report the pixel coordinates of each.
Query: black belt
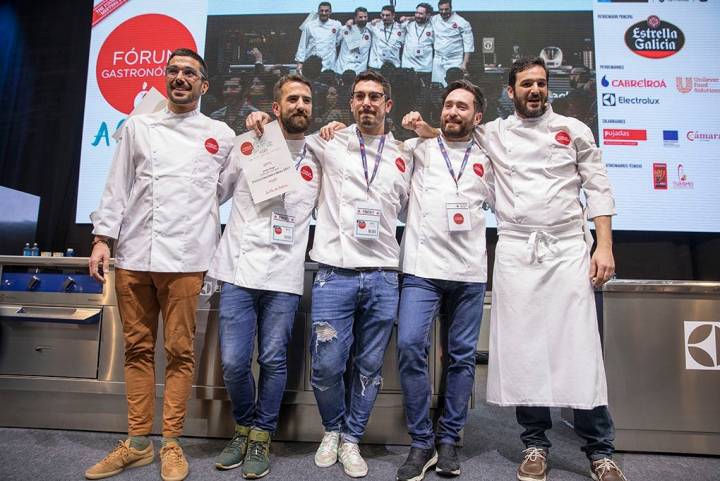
column 358, row 269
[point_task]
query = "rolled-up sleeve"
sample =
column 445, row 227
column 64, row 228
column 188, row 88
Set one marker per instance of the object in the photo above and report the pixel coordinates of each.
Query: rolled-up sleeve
column 595, row 181
column 467, row 37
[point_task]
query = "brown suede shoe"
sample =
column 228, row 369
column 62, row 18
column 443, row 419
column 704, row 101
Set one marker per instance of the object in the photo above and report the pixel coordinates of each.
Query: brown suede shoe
column 120, row 458
column 605, row 469
column 533, row 466
column 174, row 466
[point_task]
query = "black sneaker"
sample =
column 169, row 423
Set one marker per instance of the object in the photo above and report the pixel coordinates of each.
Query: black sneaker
column 418, row 461
column 448, row 464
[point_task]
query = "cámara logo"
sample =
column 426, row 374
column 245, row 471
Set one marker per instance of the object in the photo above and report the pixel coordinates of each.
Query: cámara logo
column 654, row 38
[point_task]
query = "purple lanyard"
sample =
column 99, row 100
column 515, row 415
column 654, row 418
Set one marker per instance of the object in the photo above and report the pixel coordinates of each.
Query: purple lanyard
column 449, row 165
column 363, row 155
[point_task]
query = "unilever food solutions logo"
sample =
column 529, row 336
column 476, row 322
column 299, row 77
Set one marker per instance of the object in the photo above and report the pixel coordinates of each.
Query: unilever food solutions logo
column 132, row 60
column 654, row 38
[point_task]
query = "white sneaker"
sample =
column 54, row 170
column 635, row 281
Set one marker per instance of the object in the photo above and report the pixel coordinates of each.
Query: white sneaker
column 327, row 454
column 353, row 463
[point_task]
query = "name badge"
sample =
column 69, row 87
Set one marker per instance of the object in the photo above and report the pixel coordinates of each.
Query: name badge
column 367, row 221
column 458, row 216
column 282, row 228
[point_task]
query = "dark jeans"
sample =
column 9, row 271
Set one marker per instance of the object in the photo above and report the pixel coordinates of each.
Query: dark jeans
column 595, row 426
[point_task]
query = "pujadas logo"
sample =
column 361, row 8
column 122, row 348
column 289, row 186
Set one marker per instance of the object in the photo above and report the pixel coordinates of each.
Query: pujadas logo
column 654, row 38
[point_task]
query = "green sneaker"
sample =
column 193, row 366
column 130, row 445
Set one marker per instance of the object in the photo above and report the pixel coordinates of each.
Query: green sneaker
column 234, row 453
column 257, row 459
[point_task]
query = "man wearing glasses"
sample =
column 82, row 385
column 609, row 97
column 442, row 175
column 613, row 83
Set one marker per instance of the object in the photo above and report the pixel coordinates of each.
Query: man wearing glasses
column 161, row 200
column 366, row 180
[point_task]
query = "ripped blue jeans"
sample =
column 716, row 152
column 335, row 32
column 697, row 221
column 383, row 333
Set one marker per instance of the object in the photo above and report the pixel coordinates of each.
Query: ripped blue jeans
column 352, row 313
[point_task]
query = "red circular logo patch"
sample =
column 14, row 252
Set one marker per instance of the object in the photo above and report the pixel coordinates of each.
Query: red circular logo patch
column 134, row 56
column 306, row 173
column 400, row 163
column 361, row 224
column 478, row 169
column 278, row 230
column 428, row 34
column 334, row 30
column 367, row 37
column 246, row 148
column 454, row 25
column 212, row 146
column 563, row 137
column 399, row 34
column 458, row 218
column 346, row 32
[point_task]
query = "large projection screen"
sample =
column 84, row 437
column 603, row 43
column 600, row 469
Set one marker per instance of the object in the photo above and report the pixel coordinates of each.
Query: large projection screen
column 639, row 74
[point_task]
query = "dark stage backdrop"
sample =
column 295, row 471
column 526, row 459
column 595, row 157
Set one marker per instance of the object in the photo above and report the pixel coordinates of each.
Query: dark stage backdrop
column 43, row 62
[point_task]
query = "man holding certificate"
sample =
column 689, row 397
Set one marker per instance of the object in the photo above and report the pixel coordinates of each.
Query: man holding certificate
column 261, row 259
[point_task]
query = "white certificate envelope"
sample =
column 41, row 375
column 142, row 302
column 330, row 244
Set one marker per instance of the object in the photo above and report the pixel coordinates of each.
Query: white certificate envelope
column 151, row 102
column 312, row 16
column 267, row 163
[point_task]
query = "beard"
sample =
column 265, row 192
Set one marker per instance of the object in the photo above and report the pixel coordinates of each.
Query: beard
column 522, row 108
column 456, row 130
column 184, row 87
column 295, row 123
column 361, row 24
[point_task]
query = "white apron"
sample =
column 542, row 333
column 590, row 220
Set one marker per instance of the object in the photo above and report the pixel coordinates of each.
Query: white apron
column 544, row 341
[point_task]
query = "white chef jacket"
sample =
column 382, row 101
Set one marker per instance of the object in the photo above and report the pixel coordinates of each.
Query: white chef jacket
column 418, row 49
column 161, row 200
column 354, row 49
column 321, row 39
column 429, row 249
column 386, row 44
column 540, row 165
column 453, row 38
column 344, row 186
column 246, row 256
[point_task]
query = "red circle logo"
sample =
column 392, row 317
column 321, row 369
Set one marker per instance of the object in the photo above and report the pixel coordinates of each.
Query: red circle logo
column 134, row 56
column 399, row 34
column 454, row 25
column 246, row 148
column 345, row 32
column 278, row 230
column 361, row 224
column 478, row 169
column 333, row 30
column 400, row 163
column 428, row 34
column 367, row 37
column 212, row 146
column 458, row 218
column 306, row 173
column 563, row 137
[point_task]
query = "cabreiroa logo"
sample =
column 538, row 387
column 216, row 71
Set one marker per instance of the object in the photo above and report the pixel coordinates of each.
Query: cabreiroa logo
column 134, row 56
column 654, row 38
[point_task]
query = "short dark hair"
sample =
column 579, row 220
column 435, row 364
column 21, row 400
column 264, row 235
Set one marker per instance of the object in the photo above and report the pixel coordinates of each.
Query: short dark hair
column 389, row 8
column 360, row 9
column 479, row 98
column 324, row 4
column 445, row 2
column 373, row 76
column 286, row 79
column 186, row 52
column 428, row 8
column 523, row 64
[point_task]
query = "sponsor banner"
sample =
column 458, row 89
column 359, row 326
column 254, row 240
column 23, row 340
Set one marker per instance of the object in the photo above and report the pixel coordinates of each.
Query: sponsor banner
column 624, row 136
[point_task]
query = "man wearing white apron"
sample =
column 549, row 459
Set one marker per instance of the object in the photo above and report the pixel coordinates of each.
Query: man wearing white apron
column 544, row 342
column 355, row 43
column 419, row 39
column 388, row 39
column 454, row 41
column 320, row 36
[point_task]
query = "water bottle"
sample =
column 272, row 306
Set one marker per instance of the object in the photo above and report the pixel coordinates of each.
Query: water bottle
column 70, row 252
column 26, row 250
column 35, row 251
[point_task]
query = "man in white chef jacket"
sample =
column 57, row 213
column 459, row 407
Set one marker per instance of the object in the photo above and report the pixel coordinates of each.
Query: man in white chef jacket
column 419, row 41
column 454, row 41
column 320, row 36
column 355, row 42
column 161, row 203
column 388, row 38
column 544, row 341
column 261, row 262
column 444, row 262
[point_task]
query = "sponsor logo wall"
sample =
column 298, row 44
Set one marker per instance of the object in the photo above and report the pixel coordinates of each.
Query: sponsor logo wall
column 660, row 129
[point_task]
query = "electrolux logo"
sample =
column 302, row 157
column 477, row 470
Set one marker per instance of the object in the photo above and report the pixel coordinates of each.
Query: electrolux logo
column 702, row 345
column 608, row 100
column 637, row 83
column 654, row 38
column 611, row 100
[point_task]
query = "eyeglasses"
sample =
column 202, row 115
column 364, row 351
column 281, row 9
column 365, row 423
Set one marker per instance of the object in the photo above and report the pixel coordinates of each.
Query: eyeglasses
column 375, row 97
column 188, row 72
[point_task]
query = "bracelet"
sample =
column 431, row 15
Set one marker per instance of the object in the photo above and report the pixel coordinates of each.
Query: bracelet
column 99, row 241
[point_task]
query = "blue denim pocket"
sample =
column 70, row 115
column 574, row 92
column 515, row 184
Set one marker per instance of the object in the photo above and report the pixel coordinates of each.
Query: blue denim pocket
column 391, row 278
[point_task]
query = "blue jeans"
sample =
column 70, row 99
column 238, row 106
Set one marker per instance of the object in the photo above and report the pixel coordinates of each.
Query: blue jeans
column 243, row 313
column 350, row 311
column 420, row 303
column 595, row 426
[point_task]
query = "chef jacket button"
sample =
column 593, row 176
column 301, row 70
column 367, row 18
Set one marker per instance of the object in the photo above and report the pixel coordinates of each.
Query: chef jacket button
column 156, row 177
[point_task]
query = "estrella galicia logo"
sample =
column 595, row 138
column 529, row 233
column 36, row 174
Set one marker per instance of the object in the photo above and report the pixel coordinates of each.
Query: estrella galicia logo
column 654, row 38
column 609, row 100
column 702, row 345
